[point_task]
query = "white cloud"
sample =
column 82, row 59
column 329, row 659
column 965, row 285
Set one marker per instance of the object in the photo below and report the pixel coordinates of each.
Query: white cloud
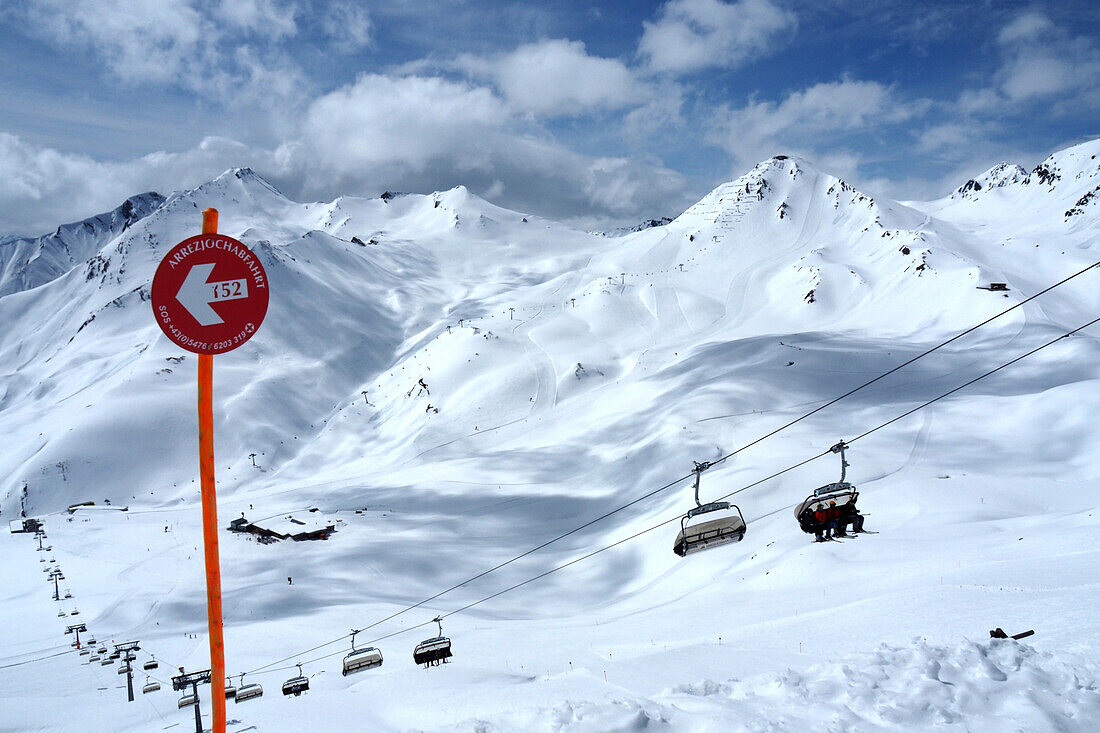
column 347, row 24
column 691, row 35
column 214, row 50
column 46, row 187
column 417, row 133
column 557, row 77
column 1040, row 62
column 411, row 134
column 816, row 119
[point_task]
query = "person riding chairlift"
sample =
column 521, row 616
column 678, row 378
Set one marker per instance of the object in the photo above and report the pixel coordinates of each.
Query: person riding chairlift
column 822, row 517
column 835, row 524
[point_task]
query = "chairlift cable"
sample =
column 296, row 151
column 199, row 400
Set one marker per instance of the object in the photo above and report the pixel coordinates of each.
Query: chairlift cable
column 662, row 523
column 904, row 364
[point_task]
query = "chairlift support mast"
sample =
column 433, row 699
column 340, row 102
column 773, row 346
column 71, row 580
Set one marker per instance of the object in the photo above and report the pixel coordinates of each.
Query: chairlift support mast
column 194, row 679
column 127, row 650
column 76, row 628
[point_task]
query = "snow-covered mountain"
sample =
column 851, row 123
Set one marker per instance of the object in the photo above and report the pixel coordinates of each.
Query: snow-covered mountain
column 457, row 383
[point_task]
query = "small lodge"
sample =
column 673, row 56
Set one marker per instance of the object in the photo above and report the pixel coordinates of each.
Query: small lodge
column 286, row 527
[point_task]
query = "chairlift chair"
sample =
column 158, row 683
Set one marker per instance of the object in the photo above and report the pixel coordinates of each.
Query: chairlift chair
column 187, row 701
column 85, row 652
column 230, row 688
column 361, row 659
column 841, row 492
column 296, row 685
column 247, row 692
column 712, row 533
column 123, row 670
column 436, row 650
column 150, row 686
column 68, row 594
column 151, row 664
column 105, row 661
column 93, row 658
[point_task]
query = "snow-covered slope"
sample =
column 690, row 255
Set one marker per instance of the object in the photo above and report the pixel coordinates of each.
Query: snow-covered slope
column 456, row 383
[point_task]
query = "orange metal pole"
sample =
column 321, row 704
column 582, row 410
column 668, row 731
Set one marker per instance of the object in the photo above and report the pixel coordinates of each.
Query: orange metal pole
column 210, row 518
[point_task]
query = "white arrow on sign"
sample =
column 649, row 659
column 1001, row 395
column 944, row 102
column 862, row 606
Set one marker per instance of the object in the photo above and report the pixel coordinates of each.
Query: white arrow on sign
column 196, row 295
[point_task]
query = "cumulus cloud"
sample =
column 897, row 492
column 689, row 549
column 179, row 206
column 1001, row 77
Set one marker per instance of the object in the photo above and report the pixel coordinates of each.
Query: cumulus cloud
column 347, row 24
column 417, row 132
column 815, row 121
column 191, row 44
column 45, row 187
column 409, row 133
column 691, row 35
column 557, row 77
column 1039, row 62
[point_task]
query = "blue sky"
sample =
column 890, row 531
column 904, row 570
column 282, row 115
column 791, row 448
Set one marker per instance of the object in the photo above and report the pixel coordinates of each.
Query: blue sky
column 595, row 113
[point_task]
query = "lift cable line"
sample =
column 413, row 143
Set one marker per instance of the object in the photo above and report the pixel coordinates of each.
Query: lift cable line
column 670, row 520
column 904, row 364
column 712, row 463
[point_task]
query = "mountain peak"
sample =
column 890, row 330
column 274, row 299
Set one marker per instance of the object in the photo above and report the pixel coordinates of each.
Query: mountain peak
column 1000, row 175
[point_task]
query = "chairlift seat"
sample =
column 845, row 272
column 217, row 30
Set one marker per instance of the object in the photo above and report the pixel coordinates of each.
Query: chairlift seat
column 187, row 701
column 151, row 687
column 712, row 533
column 844, row 494
column 247, row 692
column 362, row 659
column 437, row 649
column 85, row 652
column 93, row 658
column 123, row 670
column 151, row 664
column 105, row 661
column 296, row 686
column 230, row 692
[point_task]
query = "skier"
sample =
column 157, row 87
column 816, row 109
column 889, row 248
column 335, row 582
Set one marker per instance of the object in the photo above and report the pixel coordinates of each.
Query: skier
column 822, row 518
column 834, row 520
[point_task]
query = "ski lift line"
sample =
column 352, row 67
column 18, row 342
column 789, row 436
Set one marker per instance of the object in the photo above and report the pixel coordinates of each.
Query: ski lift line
column 904, row 364
column 35, row 660
column 670, row 520
column 486, row 572
column 975, row 379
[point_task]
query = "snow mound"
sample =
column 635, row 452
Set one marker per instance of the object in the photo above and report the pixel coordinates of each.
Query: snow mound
column 974, row 686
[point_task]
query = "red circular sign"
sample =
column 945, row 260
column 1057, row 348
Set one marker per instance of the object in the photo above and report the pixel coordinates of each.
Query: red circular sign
column 210, row 294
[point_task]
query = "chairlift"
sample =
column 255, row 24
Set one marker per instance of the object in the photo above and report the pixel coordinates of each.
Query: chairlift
column 93, row 658
column 85, row 652
column 187, row 701
column 123, row 670
column 434, row 651
column 360, row 659
column 105, row 661
column 74, row 611
column 247, row 692
column 102, row 650
column 61, row 614
column 68, row 594
column 712, row 533
column 296, row 685
column 230, row 688
column 150, row 686
column 90, row 642
column 840, row 495
column 151, row 664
